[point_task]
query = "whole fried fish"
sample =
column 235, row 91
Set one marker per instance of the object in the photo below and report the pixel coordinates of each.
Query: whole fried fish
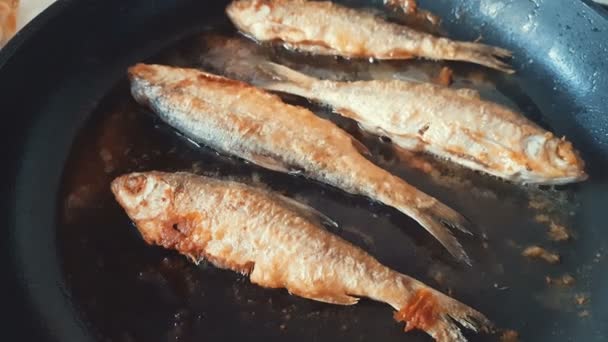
column 237, row 119
column 280, row 244
column 327, row 28
column 453, row 124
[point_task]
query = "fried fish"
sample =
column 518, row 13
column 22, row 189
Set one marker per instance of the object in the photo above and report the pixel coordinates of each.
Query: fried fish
column 453, row 124
column 237, row 119
column 279, row 243
column 326, row 28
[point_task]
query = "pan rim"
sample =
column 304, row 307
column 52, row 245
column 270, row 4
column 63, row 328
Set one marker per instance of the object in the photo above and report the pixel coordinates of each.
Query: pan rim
column 31, row 30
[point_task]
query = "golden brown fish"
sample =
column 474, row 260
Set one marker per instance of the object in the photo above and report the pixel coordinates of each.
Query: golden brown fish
column 453, row 124
column 240, row 120
column 327, row 28
column 280, row 244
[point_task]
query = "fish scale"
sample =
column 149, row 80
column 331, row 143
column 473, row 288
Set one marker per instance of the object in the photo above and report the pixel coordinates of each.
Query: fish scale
column 279, row 245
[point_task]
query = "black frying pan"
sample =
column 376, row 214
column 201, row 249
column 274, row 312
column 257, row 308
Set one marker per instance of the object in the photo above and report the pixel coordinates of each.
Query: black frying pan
column 104, row 284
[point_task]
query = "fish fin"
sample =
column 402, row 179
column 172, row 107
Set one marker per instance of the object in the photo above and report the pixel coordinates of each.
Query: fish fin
column 468, row 93
column 486, row 55
column 347, row 113
column 331, row 298
column 286, row 80
column 308, row 211
column 450, row 217
column 444, row 235
column 271, row 163
column 361, row 148
column 407, row 142
column 437, row 315
column 361, row 122
column 437, row 219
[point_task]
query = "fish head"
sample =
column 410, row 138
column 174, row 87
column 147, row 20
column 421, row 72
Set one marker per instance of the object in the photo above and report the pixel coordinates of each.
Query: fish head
column 551, row 160
column 144, row 196
column 142, row 77
column 151, row 201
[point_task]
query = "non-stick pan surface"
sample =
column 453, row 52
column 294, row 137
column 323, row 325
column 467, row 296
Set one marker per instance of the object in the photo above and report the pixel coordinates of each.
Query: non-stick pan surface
column 56, row 72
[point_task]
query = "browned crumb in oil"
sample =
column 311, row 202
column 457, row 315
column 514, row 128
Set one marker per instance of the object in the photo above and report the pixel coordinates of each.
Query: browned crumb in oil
column 443, row 175
column 558, row 232
column 581, row 299
column 542, row 218
column 565, row 280
column 445, row 76
column 424, row 164
column 452, row 180
column 541, row 253
column 538, row 203
column 509, row 336
column 550, row 205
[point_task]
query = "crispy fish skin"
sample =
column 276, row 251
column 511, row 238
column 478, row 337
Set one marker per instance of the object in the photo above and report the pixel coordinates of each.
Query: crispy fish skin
column 453, row 124
column 330, row 29
column 256, row 232
column 238, row 119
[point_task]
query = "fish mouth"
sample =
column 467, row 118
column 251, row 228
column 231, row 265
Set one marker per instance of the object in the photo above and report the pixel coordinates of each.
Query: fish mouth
column 131, row 189
column 552, row 161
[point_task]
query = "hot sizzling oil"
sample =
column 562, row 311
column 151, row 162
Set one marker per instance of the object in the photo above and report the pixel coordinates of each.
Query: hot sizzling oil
column 129, row 291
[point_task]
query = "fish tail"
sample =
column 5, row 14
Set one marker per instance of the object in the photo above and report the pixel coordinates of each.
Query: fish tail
column 436, row 217
column 486, row 55
column 438, row 314
column 286, row 80
column 437, row 220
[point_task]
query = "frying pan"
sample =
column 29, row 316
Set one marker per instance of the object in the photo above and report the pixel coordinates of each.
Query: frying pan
column 54, row 74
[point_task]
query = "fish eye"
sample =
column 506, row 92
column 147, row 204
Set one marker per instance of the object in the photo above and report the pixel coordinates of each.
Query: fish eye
column 135, row 184
column 533, row 146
